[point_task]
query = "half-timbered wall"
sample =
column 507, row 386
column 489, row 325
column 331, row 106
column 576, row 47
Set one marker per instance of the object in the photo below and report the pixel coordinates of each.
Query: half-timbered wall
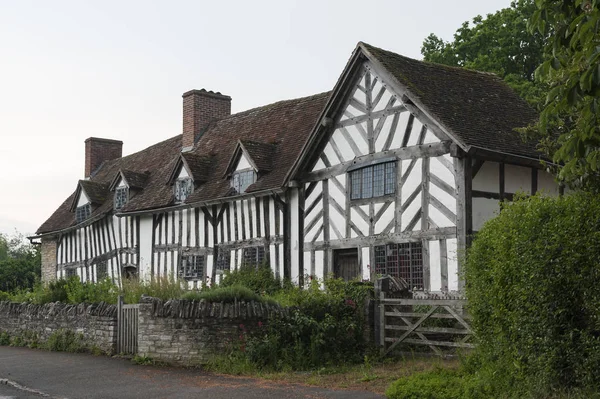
column 377, row 127
column 110, row 244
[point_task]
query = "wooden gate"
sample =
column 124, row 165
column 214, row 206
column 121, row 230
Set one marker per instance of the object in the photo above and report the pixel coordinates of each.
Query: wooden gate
column 127, row 328
column 436, row 323
column 345, row 263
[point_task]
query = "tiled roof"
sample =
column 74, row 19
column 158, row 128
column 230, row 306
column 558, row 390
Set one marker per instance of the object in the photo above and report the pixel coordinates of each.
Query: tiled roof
column 260, row 153
column 477, row 107
column 96, row 191
column 286, row 124
column 135, row 179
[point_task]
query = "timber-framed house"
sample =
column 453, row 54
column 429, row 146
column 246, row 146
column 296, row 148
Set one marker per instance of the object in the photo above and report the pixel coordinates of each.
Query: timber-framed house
column 389, row 173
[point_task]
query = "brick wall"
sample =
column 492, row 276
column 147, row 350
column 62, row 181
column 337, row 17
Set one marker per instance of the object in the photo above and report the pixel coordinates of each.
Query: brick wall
column 48, row 253
column 98, row 150
column 200, row 107
column 96, row 323
column 189, row 333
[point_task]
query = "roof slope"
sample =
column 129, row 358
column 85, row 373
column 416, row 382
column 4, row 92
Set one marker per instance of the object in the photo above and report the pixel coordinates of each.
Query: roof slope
column 477, row 107
column 284, row 126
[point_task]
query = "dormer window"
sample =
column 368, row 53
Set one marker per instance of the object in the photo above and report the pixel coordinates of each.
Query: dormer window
column 83, row 212
column 242, row 179
column 121, row 196
column 183, row 188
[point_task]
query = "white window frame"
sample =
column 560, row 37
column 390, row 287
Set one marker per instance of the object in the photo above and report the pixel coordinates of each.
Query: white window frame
column 235, row 180
column 180, row 194
column 118, row 191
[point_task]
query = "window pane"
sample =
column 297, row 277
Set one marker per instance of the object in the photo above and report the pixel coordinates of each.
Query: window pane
column 367, row 182
column 120, row 197
column 378, row 179
column 380, row 260
column 101, row 271
column 224, row 260
column 83, row 212
column 356, row 186
column 183, row 188
column 192, row 267
column 390, row 177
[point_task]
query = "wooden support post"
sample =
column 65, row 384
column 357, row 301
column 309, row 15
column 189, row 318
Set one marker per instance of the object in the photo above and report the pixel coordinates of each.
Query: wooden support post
column 464, row 210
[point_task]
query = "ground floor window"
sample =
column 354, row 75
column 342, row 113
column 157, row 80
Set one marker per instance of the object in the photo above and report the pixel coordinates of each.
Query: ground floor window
column 223, row 260
column 70, row 272
column 191, row 267
column 254, row 255
column 403, row 260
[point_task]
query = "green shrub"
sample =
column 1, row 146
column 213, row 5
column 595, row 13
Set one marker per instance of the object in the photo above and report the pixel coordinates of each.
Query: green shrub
column 4, row 338
column 163, row 287
column 65, row 341
column 89, row 292
column 435, row 384
column 226, row 294
column 4, row 296
column 259, row 278
column 532, row 278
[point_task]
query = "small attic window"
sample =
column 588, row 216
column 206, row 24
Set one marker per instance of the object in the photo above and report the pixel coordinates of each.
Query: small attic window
column 242, row 179
column 121, row 196
column 83, row 212
column 183, row 188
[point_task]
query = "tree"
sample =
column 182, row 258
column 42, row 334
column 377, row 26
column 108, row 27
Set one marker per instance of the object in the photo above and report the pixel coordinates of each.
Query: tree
column 499, row 43
column 20, row 263
column 569, row 122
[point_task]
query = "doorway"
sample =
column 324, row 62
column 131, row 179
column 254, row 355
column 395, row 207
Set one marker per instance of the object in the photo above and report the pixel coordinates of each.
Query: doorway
column 345, row 263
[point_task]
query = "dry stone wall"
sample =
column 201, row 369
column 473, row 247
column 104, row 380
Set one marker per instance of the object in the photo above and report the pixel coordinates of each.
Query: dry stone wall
column 96, row 324
column 191, row 332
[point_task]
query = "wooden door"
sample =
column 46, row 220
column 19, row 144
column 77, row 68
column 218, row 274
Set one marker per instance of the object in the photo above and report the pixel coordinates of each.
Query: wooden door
column 345, row 263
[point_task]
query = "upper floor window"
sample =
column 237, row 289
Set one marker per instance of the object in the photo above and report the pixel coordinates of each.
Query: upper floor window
column 83, row 212
column 373, row 181
column 121, row 196
column 403, row 260
column 183, row 188
column 242, row 179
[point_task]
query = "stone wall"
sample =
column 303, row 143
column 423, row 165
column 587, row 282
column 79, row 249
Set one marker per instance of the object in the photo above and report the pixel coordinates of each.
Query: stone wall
column 190, row 332
column 96, row 324
column 48, row 252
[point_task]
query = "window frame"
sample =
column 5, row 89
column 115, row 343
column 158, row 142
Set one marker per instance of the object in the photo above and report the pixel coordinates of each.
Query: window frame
column 179, row 197
column 404, row 260
column 236, row 175
column 223, row 261
column 101, row 270
column 260, row 255
column 118, row 190
column 185, row 271
column 83, row 212
column 366, row 185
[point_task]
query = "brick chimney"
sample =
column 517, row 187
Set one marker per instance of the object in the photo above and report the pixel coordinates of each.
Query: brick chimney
column 99, row 150
column 200, row 107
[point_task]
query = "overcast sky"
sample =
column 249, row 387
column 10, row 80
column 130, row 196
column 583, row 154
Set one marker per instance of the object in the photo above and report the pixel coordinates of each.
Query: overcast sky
column 70, row 70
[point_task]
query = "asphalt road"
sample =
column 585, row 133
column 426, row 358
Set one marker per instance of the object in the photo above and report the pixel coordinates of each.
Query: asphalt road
column 72, row 375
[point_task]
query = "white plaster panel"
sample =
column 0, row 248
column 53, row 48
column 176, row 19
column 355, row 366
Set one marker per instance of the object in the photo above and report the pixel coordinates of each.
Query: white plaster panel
column 399, row 132
column 319, row 262
column 337, row 220
column 271, row 259
column 546, row 183
column 343, row 145
column 430, row 138
column 385, row 98
column 121, row 183
column 83, row 198
column 280, row 249
column 448, row 200
column 517, row 178
column 439, row 218
column 239, row 208
column 360, row 96
column 487, row 179
column 310, row 234
column 294, row 236
column 413, row 180
column 271, row 220
column 359, row 221
column 415, row 132
column 452, row 248
column 336, row 194
column 307, row 266
column 384, row 134
column 183, row 173
column 483, row 210
column 243, row 163
column 410, row 212
column 366, row 266
column 319, row 165
column 209, row 269
column 357, row 137
column 330, row 154
column 437, row 168
column 385, row 219
column 435, row 273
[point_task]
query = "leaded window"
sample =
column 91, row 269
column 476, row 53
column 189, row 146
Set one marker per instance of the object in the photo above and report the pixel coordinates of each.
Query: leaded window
column 101, row 271
column 191, row 267
column 254, row 255
column 83, row 212
column 121, row 197
column 70, row 272
column 373, row 181
column 223, row 260
column 403, row 260
column 183, row 188
column 242, row 179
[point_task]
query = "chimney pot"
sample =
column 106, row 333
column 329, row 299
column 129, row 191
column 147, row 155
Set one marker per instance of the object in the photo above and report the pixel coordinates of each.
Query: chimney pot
column 200, row 108
column 98, row 150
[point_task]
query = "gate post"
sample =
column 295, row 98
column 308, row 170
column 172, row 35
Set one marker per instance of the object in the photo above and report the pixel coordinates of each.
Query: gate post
column 379, row 314
column 119, row 323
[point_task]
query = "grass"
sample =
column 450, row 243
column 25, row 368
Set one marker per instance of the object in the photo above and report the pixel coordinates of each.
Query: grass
column 227, row 294
column 369, row 376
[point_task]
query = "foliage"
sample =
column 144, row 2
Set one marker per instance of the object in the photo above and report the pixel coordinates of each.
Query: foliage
column 89, row 292
column 226, row 294
column 434, row 384
column 164, row 287
column 20, row 263
column 532, row 282
column 570, row 118
column 499, row 43
column 4, row 296
column 323, row 327
column 259, row 278
column 65, row 341
column 4, row 338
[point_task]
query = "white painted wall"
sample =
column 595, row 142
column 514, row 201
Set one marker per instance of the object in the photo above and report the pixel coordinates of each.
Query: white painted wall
column 243, row 163
column 145, row 246
column 83, row 198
